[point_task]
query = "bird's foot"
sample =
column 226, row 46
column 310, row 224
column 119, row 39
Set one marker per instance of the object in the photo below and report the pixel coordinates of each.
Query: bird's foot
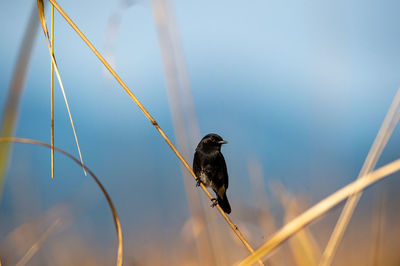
column 214, row 202
column 198, row 182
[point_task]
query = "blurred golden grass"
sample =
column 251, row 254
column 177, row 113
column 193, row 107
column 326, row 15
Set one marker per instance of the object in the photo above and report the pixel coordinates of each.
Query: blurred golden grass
column 319, row 209
column 383, row 136
column 139, row 104
column 211, row 248
column 266, row 219
column 17, row 241
column 378, row 226
column 10, row 115
column 302, row 245
column 106, row 195
column 36, row 246
column 186, row 131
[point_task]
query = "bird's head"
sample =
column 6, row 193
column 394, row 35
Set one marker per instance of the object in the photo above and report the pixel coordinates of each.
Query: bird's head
column 211, row 142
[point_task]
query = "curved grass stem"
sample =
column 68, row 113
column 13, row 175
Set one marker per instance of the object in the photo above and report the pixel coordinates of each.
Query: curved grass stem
column 105, row 193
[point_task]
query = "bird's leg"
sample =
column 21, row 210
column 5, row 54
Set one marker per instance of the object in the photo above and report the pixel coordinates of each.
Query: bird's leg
column 214, row 202
column 198, row 182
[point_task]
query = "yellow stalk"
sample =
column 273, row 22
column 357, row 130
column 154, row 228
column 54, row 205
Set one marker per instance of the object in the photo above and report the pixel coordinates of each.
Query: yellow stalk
column 105, row 193
column 52, row 92
column 46, row 33
column 319, row 209
column 149, row 117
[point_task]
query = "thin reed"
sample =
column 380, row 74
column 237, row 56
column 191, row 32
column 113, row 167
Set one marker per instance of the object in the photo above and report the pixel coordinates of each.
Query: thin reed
column 53, row 61
column 52, row 93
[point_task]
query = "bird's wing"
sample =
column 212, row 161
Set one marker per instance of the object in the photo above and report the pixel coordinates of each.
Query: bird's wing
column 225, row 178
column 196, row 164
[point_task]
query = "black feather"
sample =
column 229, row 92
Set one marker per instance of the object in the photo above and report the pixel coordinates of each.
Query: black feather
column 210, row 168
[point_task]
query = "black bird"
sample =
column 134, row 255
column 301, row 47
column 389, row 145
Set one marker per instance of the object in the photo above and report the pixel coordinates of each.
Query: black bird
column 210, row 168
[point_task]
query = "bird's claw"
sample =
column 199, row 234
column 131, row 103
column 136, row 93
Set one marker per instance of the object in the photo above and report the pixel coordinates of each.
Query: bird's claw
column 198, row 181
column 214, row 202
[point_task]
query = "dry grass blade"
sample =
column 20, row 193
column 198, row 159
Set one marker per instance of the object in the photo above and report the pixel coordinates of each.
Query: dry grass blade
column 151, row 119
column 35, row 247
column 386, row 130
column 319, row 209
column 40, row 5
column 107, row 196
column 52, row 93
column 10, row 114
column 46, row 33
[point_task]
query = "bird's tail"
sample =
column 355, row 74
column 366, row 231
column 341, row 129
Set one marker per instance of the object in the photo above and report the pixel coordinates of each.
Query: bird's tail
column 224, row 203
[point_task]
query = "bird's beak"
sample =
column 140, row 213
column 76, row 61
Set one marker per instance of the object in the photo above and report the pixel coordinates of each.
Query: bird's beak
column 222, row 142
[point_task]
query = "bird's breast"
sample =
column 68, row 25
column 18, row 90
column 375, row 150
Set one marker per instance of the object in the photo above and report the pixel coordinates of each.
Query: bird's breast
column 205, row 179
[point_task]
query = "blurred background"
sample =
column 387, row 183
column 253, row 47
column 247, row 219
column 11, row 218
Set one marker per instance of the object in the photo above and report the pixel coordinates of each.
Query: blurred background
column 298, row 88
